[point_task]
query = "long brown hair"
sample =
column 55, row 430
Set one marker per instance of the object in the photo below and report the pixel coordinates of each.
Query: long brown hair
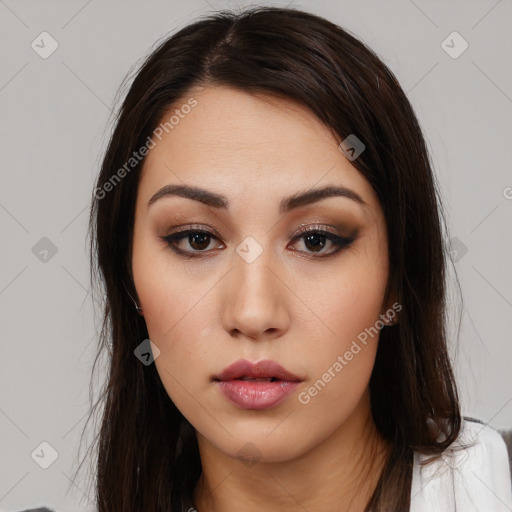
column 147, row 455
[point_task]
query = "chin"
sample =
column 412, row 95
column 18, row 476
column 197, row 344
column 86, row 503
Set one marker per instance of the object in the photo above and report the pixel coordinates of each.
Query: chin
column 253, row 446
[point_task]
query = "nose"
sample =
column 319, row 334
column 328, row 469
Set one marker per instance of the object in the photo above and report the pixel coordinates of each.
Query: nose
column 256, row 300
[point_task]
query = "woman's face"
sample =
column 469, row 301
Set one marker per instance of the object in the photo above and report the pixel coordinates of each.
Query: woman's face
column 254, row 287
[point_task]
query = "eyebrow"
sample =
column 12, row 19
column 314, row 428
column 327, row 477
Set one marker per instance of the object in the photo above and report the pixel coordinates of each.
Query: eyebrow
column 286, row 204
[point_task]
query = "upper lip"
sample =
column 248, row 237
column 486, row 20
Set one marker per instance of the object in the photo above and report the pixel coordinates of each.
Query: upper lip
column 262, row 369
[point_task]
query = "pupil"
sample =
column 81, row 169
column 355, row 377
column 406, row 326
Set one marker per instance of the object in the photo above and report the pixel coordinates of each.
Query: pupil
column 316, row 239
column 199, row 239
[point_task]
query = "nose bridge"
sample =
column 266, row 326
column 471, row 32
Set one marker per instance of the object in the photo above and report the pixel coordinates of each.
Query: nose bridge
column 254, row 278
column 254, row 281
column 254, row 301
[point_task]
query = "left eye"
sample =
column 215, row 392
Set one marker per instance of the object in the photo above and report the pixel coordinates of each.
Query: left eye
column 199, row 240
column 315, row 240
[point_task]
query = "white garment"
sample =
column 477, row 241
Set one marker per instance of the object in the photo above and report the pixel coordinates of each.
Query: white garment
column 474, row 479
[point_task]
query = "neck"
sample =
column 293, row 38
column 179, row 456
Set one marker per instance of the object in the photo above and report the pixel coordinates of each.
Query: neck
column 340, row 473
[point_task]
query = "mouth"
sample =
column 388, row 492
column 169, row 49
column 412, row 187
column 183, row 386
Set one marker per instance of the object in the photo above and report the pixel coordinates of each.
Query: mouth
column 263, row 385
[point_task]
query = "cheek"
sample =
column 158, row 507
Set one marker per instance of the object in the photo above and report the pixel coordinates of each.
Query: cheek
column 345, row 313
column 166, row 294
column 348, row 303
column 174, row 317
column 183, row 364
column 340, row 371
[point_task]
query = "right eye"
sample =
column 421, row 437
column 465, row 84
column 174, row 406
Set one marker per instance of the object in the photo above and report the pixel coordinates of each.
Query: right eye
column 196, row 239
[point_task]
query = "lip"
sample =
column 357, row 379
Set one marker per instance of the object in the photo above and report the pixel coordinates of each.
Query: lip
column 256, row 395
column 262, row 369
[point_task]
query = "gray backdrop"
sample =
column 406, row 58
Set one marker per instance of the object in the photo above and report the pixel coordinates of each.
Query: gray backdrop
column 62, row 63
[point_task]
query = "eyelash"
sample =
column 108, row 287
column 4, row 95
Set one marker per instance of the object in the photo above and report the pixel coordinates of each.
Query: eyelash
column 341, row 242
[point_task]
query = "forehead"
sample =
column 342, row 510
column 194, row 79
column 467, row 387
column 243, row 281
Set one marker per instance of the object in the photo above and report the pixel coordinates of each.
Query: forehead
column 232, row 140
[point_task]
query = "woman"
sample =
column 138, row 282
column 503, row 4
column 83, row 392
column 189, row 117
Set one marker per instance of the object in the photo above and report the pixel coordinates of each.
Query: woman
column 281, row 373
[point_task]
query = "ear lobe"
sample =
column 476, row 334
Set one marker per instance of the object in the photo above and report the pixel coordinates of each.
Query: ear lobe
column 390, row 315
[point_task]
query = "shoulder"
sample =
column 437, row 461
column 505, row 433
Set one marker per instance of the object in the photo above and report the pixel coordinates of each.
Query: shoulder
column 480, row 443
column 472, row 475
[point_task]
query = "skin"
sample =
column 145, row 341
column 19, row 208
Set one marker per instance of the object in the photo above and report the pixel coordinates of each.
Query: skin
column 290, row 305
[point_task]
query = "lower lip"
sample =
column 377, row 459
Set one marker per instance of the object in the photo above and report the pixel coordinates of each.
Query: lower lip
column 256, row 395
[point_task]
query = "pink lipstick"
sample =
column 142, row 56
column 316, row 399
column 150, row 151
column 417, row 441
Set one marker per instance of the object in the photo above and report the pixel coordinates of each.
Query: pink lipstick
column 256, row 386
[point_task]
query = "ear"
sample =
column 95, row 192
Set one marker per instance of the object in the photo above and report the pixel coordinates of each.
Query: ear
column 391, row 308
